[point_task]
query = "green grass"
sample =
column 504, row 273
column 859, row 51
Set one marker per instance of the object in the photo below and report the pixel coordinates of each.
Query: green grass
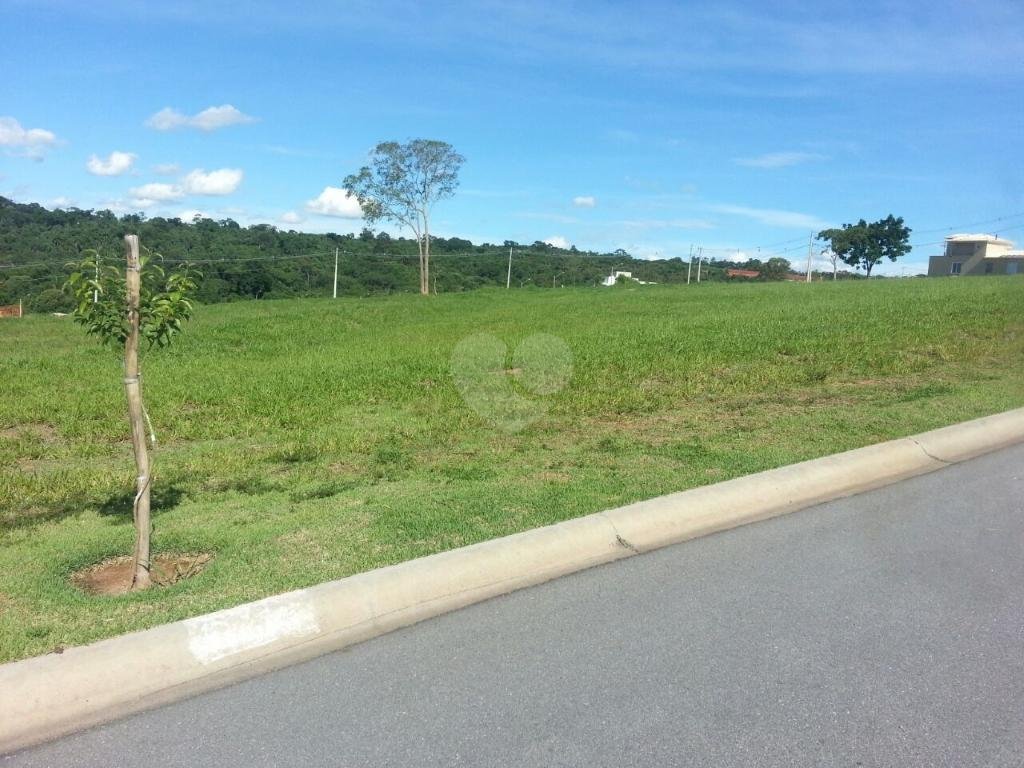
column 307, row 440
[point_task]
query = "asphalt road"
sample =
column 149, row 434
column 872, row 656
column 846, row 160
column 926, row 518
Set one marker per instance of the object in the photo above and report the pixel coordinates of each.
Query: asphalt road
column 882, row 630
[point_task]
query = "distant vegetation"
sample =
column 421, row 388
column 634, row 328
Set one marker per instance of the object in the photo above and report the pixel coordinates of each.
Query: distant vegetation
column 263, row 262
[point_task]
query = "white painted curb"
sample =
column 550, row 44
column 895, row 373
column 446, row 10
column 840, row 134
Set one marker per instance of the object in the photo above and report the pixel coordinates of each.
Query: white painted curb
column 49, row 696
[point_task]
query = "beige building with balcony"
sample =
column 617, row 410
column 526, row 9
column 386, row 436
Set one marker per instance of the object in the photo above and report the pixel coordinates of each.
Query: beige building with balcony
column 977, row 255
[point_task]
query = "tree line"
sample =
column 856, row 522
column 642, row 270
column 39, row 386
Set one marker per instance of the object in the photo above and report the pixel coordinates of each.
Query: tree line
column 263, row 262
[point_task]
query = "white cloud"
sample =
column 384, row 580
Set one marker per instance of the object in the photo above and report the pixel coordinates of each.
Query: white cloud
column 197, row 182
column 738, row 256
column 773, row 218
column 557, row 241
column 166, row 169
column 290, row 217
column 115, row 206
column 25, row 142
column 115, row 164
column 187, row 216
column 167, row 119
column 148, row 194
column 334, row 201
column 777, row 159
column 62, row 202
column 584, row 201
column 220, row 182
column 210, row 119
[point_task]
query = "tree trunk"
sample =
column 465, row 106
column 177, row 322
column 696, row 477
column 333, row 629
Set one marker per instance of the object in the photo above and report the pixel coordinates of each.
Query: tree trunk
column 133, row 391
column 419, row 248
column 426, row 256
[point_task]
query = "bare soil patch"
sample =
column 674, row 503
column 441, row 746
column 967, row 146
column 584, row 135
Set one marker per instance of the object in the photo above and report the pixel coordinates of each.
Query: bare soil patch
column 114, row 575
column 43, row 432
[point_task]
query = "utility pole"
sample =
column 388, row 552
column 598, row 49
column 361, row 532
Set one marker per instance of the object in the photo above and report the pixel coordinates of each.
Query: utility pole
column 508, row 279
column 95, row 291
column 810, row 243
column 689, row 265
column 700, row 254
column 335, row 273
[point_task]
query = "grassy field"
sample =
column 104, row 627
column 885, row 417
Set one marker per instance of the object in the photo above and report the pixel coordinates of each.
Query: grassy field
column 307, row 440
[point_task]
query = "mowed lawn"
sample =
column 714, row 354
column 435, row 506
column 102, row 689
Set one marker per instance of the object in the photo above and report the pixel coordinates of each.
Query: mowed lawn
column 306, row 440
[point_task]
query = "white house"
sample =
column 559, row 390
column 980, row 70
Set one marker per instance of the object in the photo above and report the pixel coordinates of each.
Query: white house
column 977, row 255
column 613, row 278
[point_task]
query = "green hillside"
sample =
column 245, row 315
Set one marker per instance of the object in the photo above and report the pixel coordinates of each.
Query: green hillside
column 263, row 262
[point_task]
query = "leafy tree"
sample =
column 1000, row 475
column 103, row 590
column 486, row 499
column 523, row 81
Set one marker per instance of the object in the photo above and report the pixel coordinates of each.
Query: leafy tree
column 776, row 268
column 402, row 183
column 864, row 245
column 51, row 300
column 145, row 303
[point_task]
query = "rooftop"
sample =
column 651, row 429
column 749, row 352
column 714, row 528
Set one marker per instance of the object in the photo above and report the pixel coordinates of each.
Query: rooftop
column 978, row 238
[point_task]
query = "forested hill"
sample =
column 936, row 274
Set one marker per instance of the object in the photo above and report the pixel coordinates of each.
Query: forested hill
column 261, row 261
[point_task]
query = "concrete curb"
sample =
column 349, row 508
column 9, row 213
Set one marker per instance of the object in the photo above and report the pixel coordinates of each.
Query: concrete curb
column 49, row 696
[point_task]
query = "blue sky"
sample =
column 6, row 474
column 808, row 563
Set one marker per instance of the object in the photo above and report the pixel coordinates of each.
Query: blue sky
column 741, row 127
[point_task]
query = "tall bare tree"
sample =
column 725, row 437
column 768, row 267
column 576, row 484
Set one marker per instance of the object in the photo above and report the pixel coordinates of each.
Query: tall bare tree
column 402, row 183
column 833, row 259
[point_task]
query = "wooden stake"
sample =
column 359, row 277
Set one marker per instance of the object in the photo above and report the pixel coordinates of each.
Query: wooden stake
column 133, row 391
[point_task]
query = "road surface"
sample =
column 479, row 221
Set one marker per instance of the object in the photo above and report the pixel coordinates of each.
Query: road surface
column 882, row 630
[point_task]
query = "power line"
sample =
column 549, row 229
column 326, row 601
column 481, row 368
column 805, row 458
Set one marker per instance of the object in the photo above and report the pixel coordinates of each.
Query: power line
column 760, row 247
column 27, row 265
column 1013, row 228
column 972, row 224
column 56, row 280
column 227, row 259
column 776, row 251
column 272, row 259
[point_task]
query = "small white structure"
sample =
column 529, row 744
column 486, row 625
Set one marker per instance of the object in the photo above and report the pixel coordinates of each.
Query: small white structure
column 613, row 278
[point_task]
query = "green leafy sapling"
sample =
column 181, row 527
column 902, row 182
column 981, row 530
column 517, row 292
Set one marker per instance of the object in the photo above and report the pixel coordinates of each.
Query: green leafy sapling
column 145, row 303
